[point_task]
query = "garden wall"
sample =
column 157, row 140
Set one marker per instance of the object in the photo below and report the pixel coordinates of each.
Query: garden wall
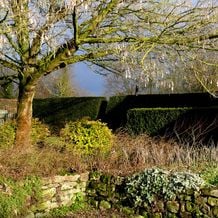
column 105, row 191
column 59, row 191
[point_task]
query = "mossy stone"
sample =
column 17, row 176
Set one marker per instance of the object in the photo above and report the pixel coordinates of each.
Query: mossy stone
column 201, row 201
column 185, row 214
column 205, row 209
column 104, row 205
column 173, row 206
column 215, row 211
column 128, row 210
column 171, row 215
column 156, row 215
column 212, row 201
column 160, row 205
column 190, row 207
column 214, row 193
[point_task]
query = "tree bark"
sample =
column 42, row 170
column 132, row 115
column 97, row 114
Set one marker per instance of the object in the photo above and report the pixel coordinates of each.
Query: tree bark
column 24, row 116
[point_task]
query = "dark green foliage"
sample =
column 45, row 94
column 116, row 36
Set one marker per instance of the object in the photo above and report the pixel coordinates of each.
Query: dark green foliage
column 61, row 110
column 116, row 111
column 119, row 105
column 151, row 120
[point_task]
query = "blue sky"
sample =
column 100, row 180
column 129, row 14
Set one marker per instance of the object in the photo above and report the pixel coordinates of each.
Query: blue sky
column 91, row 82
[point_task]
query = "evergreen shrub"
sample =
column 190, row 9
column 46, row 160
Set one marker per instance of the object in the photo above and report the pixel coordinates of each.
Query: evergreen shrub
column 151, row 120
column 61, row 110
column 87, row 136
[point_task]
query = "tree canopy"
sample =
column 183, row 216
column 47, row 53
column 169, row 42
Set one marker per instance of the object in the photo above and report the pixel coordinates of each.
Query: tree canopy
column 38, row 37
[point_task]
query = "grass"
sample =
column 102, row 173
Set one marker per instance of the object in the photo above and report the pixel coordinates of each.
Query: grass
column 128, row 155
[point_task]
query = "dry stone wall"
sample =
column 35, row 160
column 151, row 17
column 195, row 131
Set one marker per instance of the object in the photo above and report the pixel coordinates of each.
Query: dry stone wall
column 106, row 191
column 59, row 191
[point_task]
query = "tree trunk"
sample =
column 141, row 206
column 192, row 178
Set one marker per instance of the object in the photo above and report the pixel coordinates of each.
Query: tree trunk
column 24, row 116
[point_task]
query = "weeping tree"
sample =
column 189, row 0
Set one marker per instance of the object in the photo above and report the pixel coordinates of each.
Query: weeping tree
column 163, row 72
column 38, row 37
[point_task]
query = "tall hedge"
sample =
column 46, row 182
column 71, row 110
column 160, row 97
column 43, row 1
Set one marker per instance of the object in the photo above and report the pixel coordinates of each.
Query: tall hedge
column 151, row 120
column 60, row 110
column 116, row 112
column 189, row 125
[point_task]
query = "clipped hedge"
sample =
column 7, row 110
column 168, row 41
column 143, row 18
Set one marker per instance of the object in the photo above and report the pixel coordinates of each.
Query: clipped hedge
column 116, row 112
column 61, row 110
column 151, row 120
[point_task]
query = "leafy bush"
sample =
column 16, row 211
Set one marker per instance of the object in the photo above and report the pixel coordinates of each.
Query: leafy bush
column 151, row 120
column 157, row 183
column 210, row 175
column 7, row 134
column 87, row 136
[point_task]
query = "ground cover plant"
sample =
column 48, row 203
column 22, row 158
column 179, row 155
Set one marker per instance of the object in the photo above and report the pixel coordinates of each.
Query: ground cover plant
column 128, row 154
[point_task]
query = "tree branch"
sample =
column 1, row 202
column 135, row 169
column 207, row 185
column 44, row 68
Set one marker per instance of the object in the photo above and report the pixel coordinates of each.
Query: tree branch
column 9, row 65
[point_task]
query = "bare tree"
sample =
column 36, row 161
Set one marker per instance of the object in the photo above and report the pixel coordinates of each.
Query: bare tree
column 38, row 37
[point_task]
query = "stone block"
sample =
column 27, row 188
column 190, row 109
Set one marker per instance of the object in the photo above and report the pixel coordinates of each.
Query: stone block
column 214, row 193
column 68, row 185
column 190, row 207
column 84, row 177
column 104, row 205
column 47, row 194
column 215, row 211
column 212, row 201
column 157, row 215
column 185, row 214
column 173, row 206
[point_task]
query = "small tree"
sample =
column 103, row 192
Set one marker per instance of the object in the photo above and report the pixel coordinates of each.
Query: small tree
column 38, row 37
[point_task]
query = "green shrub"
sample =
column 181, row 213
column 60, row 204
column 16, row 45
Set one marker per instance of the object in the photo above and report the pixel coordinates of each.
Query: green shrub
column 7, row 134
column 145, row 187
column 60, row 110
column 151, row 120
column 210, row 175
column 87, row 136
